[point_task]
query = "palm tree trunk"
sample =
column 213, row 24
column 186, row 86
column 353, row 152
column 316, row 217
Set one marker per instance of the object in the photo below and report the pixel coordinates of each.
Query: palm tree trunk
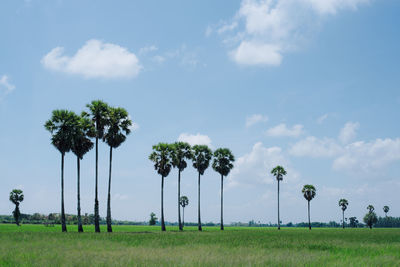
column 162, row 204
column 109, row 228
column 309, row 221
column 343, row 218
column 96, row 199
column 183, row 221
column 222, row 202
column 63, row 225
column 179, row 198
column 198, row 205
column 279, row 220
column 80, row 228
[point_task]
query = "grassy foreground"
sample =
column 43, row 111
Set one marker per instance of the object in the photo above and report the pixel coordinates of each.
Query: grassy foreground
column 37, row 245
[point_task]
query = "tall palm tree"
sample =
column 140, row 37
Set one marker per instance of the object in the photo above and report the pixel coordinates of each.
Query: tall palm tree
column 370, row 208
column 343, row 203
column 223, row 164
column 278, row 172
column 16, row 197
column 118, row 127
column 98, row 112
column 386, row 210
column 184, row 201
column 309, row 193
column 180, row 152
column 61, row 126
column 81, row 144
column 161, row 157
column 201, row 160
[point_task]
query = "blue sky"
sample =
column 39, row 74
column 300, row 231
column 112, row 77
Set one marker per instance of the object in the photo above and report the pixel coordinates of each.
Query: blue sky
column 312, row 85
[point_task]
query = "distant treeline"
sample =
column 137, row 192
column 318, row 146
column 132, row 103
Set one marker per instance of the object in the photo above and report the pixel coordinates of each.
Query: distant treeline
column 88, row 219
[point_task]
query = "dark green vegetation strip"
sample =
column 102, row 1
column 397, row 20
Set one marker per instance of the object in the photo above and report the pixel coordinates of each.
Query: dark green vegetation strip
column 36, row 245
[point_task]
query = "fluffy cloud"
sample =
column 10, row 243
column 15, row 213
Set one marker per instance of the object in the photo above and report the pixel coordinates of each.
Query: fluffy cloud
column 283, row 130
column 275, row 27
column 254, row 119
column 348, row 132
column 5, row 86
column 95, row 59
column 195, row 139
column 315, row 147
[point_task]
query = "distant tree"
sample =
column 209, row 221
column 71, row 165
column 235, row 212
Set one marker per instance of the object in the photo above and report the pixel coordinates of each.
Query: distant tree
column 370, row 219
column 278, row 172
column 161, row 158
column 201, row 160
column 223, row 164
column 386, row 210
column 61, row 126
column 81, row 144
column 353, row 222
column 118, row 127
column 370, row 208
column 98, row 113
column 184, row 201
column 343, row 203
column 16, row 197
column 309, row 193
column 180, row 153
column 153, row 219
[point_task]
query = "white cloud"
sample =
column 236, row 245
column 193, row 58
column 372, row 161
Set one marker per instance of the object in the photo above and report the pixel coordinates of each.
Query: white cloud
column 321, row 119
column 5, row 85
column 315, row 147
column 274, row 27
column 134, row 126
column 95, row 59
column 254, row 119
column 283, row 130
column 147, row 49
column 348, row 132
column 195, row 139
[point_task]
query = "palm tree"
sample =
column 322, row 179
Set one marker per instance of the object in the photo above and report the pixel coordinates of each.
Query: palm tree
column 370, row 208
column 343, row 203
column 118, row 124
column 201, row 160
column 61, row 126
column 184, row 201
column 161, row 157
column 309, row 193
column 278, row 172
column 223, row 164
column 386, row 210
column 98, row 114
column 81, row 144
column 16, row 197
column 180, row 152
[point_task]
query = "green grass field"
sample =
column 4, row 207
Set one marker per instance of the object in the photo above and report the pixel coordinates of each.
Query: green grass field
column 37, row 245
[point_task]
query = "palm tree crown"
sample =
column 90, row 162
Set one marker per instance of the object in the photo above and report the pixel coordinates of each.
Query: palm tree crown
column 370, row 208
column 201, row 157
column 117, row 126
column 343, row 203
column 98, row 114
column 278, row 172
column 309, row 192
column 16, row 196
column 81, row 144
column 385, row 209
column 161, row 157
column 184, row 201
column 223, row 161
column 180, row 152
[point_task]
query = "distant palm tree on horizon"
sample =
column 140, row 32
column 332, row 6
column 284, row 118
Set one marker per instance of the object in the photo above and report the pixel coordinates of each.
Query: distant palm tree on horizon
column 278, row 172
column 343, row 203
column 117, row 128
column 184, row 201
column 386, row 210
column 309, row 193
column 223, row 164
column 201, row 160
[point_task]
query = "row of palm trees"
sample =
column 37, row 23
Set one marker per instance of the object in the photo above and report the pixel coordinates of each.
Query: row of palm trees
column 72, row 132
column 165, row 156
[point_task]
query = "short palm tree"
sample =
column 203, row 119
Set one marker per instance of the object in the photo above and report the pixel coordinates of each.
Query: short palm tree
column 81, row 144
column 370, row 208
column 309, row 193
column 278, row 172
column 184, row 201
column 98, row 113
column 201, row 160
column 180, row 152
column 161, row 157
column 223, row 164
column 16, row 197
column 386, row 210
column 118, row 127
column 61, row 126
column 343, row 203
